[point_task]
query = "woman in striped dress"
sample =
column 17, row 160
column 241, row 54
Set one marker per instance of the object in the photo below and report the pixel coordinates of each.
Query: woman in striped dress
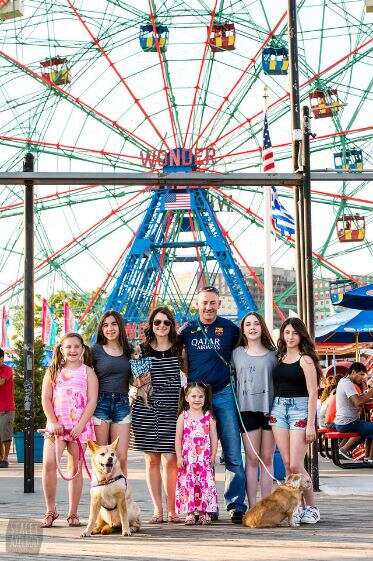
column 154, row 424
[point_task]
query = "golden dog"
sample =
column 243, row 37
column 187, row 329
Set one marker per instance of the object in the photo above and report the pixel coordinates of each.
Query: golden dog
column 279, row 505
column 112, row 506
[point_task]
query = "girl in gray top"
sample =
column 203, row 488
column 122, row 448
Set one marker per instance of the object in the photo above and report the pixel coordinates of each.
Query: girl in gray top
column 110, row 357
column 254, row 359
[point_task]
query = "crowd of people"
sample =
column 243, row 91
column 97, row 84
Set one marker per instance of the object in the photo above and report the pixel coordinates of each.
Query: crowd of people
column 210, row 380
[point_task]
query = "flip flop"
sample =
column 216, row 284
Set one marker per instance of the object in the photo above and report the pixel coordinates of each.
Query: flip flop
column 190, row 520
column 73, row 521
column 49, row 518
column 156, row 519
column 174, row 519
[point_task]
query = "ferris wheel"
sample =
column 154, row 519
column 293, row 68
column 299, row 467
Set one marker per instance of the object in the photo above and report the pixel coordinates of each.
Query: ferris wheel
column 144, row 85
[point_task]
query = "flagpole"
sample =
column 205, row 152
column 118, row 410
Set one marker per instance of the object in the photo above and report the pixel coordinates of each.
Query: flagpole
column 268, row 281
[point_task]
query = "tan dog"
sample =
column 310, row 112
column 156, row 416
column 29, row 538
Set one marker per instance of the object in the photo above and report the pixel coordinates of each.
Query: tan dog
column 112, row 506
column 279, row 505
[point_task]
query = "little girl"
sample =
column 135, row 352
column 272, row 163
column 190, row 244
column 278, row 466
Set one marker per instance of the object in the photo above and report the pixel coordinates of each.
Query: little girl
column 196, row 445
column 69, row 396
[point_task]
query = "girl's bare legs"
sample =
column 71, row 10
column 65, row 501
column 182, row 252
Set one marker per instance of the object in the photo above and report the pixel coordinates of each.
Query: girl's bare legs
column 123, row 431
column 267, row 449
column 169, row 476
column 49, row 471
column 297, row 452
column 76, row 485
column 282, row 439
column 102, row 433
column 154, row 481
column 251, row 464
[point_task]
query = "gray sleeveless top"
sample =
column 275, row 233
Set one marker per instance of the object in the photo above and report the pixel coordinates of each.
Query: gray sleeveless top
column 254, row 380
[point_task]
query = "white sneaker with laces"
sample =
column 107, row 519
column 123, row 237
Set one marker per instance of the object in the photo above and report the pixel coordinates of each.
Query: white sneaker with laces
column 297, row 515
column 310, row 515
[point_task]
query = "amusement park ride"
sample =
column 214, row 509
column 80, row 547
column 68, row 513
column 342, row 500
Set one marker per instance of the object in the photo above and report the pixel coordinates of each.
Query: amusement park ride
column 179, row 224
column 136, row 286
column 175, row 78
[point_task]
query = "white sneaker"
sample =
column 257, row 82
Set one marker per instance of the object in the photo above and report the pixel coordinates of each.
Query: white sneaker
column 297, row 515
column 310, row 515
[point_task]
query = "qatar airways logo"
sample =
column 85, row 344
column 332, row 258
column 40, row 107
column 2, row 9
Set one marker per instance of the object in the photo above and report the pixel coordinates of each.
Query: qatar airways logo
column 178, row 157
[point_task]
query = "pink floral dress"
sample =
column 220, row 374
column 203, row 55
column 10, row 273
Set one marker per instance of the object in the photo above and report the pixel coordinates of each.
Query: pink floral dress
column 70, row 400
column 196, row 489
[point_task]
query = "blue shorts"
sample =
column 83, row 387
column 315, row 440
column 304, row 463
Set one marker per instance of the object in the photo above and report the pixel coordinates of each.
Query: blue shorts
column 112, row 408
column 289, row 413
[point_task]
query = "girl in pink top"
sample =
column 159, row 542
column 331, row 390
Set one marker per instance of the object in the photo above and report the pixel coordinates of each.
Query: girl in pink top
column 69, row 396
column 196, row 445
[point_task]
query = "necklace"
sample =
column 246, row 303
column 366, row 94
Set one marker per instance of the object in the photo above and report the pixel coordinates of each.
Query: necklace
column 162, row 351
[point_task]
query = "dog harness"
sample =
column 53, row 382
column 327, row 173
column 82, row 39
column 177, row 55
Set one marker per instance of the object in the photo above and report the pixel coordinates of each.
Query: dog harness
column 107, row 482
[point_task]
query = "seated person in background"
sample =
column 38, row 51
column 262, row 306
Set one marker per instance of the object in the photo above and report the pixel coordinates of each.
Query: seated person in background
column 348, row 403
column 325, row 398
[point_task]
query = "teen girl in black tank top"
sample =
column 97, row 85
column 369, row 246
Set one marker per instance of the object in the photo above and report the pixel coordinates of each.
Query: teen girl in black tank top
column 289, row 380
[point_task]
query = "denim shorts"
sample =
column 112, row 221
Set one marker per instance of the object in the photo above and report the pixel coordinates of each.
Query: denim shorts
column 289, row 413
column 112, row 408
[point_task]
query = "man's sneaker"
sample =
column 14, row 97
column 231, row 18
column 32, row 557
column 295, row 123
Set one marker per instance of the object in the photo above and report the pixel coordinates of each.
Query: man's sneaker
column 237, row 517
column 310, row 515
column 4, row 464
column 345, row 454
column 297, row 516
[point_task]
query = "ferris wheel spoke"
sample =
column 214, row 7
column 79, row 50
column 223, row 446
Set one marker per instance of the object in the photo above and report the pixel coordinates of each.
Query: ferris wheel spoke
column 113, row 214
column 135, row 99
column 161, row 57
column 80, row 104
column 108, row 278
column 123, row 160
column 240, row 78
column 258, row 220
column 197, row 86
column 285, row 97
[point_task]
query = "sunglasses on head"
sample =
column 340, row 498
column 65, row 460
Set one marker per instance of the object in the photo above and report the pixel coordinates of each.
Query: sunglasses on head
column 166, row 322
column 212, row 289
column 197, row 385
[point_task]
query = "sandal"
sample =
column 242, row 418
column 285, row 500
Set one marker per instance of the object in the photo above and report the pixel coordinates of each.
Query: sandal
column 49, row 518
column 190, row 520
column 156, row 519
column 174, row 519
column 73, row 520
column 204, row 519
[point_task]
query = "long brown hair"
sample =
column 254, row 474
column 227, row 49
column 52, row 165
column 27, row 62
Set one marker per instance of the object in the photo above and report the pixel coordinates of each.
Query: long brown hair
column 123, row 341
column 306, row 345
column 58, row 359
column 174, row 338
column 265, row 337
column 205, row 388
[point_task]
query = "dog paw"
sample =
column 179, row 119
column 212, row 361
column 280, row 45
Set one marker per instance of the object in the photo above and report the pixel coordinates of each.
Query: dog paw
column 126, row 532
column 85, row 534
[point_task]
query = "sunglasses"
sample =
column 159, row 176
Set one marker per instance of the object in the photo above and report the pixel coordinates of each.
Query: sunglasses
column 166, row 322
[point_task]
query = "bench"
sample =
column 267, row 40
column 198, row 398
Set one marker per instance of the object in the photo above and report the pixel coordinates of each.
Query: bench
column 323, row 443
column 334, row 437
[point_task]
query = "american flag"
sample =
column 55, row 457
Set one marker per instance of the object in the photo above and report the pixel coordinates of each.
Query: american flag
column 175, row 201
column 282, row 221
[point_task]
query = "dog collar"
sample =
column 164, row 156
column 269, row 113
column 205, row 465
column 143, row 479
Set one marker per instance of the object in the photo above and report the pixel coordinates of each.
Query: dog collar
column 108, row 481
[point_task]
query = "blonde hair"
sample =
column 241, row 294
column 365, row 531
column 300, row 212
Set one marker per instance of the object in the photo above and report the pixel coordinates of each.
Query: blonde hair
column 58, row 359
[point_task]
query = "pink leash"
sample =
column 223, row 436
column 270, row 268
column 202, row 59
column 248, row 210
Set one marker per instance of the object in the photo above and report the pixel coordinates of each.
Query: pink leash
column 81, row 460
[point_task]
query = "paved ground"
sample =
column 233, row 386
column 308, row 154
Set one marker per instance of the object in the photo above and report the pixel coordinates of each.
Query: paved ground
column 345, row 532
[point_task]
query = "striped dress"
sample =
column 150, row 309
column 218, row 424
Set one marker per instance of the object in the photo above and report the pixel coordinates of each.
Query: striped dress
column 154, row 427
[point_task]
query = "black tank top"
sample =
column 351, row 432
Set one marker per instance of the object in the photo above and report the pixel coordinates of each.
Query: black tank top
column 289, row 380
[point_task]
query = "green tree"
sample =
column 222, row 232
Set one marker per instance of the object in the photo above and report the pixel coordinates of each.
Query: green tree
column 77, row 302
column 19, row 377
